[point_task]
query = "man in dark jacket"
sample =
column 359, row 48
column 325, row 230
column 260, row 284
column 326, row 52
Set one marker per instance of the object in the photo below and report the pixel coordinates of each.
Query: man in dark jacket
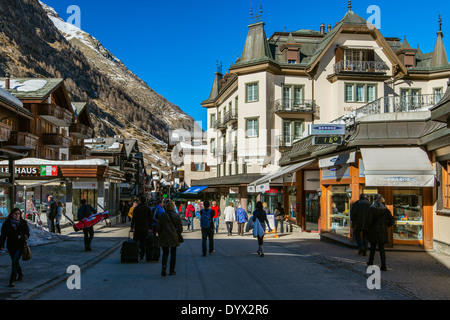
column 379, row 219
column 85, row 211
column 358, row 216
column 51, row 211
column 141, row 224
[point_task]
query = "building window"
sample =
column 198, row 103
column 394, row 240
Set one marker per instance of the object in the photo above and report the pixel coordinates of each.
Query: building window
column 251, row 128
column 212, row 120
column 446, row 185
column 293, row 96
column 410, row 99
column 200, row 167
column 360, row 92
column 292, row 130
column 212, row 145
column 252, row 92
column 437, row 94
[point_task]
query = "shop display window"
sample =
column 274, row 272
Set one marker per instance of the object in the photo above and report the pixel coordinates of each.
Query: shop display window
column 408, row 214
column 4, row 203
column 339, row 211
column 292, row 196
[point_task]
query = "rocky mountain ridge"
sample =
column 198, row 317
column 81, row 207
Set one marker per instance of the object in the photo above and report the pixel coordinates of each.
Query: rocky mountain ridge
column 36, row 42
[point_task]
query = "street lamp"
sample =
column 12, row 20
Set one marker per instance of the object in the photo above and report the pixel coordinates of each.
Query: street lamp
column 349, row 193
column 319, row 192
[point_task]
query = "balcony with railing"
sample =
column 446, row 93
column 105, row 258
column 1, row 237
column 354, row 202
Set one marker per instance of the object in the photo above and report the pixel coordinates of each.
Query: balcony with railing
column 80, row 131
column 5, row 132
column 22, row 141
column 220, row 125
column 54, row 114
column 80, row 151
column 56, row 140
column 294, row 106
column 287, row 141
column 395, row 104
column 230, row 117
column 345, row 66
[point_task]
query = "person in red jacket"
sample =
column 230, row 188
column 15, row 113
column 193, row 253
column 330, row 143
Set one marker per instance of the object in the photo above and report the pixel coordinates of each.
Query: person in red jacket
column 190, row 213
column 216, row 216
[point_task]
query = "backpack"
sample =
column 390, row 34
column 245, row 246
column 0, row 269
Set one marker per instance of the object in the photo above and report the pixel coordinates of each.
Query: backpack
column 205, row 219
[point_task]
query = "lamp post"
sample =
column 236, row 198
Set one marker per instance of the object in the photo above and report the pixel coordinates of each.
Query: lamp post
column 349, row 193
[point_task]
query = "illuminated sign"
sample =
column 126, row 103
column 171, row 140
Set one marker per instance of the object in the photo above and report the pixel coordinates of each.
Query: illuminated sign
column 327, row 141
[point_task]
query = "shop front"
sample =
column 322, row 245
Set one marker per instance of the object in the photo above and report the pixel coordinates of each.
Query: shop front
column 67, row 181
column 403, row 176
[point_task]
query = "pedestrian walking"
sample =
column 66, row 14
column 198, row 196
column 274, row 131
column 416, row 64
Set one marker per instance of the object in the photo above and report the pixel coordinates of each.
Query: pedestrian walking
column 130, row 211
column 123, row 211
column 141, row 224
column 207, row 226
column 230, row 217
column 261, row 215
column 241, row 219
column 85, row 211
column 190, row 211
column 51, row 210
column 279, row 217
column 169, row 227
column 216, row 216
column 59, row 212
column 379, row 218
column 358, row 217
column 15, row 232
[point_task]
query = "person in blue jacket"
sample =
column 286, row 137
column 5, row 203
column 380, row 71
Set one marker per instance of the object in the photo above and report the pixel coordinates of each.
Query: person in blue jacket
column 241, row 219
column 261, row 215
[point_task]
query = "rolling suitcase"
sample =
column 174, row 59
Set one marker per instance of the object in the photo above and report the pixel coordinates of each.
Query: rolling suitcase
column 129, row 251
column 152, row 249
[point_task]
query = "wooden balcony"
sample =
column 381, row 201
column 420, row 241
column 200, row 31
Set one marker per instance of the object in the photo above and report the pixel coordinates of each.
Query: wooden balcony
column 55, row 115
column 55, row 140
column 5, row 132
column 80, row 131
column 22, row 141
column 80, row 151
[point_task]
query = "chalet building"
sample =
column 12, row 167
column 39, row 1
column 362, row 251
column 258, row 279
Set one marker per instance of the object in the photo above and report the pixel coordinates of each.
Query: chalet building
column 283, row 84
column 43, row 128
column 122, row 155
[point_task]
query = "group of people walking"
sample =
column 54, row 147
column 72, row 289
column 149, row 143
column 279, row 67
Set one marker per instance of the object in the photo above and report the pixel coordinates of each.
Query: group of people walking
column 160, row 222
column 370, row 223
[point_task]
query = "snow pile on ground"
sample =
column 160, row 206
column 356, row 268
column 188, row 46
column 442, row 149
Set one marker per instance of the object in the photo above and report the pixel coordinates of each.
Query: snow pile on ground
column 40, row 235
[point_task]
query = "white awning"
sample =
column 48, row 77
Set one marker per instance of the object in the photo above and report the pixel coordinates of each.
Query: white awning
column 397, row 167
column 281, row 172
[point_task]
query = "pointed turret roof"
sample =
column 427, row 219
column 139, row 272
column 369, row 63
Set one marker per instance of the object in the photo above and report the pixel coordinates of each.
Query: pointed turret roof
column 256, row 48
column 439, row 57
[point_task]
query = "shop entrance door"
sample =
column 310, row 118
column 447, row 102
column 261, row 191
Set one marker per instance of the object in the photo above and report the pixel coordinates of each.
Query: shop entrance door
column 312, row 211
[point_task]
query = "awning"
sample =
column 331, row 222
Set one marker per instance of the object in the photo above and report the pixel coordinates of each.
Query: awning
column 37, row 183
column 397, row 167
column 281, row 172
column 195, row 190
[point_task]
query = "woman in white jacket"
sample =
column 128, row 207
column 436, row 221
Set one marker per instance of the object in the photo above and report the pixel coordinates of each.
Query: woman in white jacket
column 230, row 217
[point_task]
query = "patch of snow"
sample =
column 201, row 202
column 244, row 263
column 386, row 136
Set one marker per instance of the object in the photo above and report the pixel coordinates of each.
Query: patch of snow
column 27, row 86
column 35, row 161
column 9, row 97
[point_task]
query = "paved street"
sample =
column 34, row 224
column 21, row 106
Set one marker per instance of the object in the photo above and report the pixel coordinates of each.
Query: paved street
column 297, row 266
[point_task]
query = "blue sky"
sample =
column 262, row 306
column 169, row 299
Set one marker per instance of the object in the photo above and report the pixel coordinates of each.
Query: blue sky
column 173, row 45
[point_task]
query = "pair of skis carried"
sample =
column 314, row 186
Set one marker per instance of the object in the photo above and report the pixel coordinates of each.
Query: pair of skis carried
column 89, row 221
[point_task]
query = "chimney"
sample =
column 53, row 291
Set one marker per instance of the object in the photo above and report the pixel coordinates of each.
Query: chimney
column 7, row 81
column 329, row 28
column 322, row 28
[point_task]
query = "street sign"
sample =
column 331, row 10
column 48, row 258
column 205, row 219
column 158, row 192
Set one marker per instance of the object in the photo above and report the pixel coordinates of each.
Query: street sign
column 327, row 141
column 328, row 129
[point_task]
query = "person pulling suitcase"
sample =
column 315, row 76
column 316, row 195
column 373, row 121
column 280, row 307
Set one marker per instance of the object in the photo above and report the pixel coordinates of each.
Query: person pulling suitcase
column 141, row 225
